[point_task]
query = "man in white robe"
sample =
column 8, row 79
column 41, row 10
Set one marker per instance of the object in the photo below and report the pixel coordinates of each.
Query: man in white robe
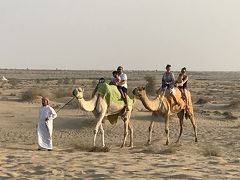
column 45, row 125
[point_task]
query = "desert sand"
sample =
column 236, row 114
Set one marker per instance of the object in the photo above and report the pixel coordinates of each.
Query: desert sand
column 216, row 155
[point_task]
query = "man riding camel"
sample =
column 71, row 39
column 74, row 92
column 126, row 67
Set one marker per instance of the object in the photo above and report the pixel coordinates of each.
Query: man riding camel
column 168, row 81
column 122, row 85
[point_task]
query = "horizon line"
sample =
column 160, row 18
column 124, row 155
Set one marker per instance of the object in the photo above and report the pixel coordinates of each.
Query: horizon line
column 58, row 69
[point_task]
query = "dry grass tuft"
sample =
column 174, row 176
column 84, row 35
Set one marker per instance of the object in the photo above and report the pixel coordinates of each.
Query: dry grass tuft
column 14, row 81
column 238, row 125
column 203, row 100
column 234, row 105
column 212, row 151
column 31, row 94
column 229, row 115
column 100, row 149
column 63, row 92
column 169, row 150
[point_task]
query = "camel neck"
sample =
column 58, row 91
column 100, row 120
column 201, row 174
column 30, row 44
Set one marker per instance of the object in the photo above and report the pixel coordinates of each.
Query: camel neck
column 88, row 105
column 151, row 105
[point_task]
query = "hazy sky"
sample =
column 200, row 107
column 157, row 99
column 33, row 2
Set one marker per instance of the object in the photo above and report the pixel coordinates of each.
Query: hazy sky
column 102, row 34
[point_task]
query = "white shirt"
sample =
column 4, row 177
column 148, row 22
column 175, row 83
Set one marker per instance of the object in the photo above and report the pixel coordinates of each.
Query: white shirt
column 123, row 77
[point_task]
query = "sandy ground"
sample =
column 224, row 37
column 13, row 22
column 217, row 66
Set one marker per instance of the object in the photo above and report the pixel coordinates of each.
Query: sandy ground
column 215, row 156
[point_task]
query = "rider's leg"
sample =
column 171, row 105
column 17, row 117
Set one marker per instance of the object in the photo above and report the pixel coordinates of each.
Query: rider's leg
column 173, row 96
column 124, row 90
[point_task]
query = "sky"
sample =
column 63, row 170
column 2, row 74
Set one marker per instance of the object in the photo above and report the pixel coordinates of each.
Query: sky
column 202, row 35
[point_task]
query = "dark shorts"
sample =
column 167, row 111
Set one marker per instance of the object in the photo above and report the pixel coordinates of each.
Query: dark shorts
column 123, row 89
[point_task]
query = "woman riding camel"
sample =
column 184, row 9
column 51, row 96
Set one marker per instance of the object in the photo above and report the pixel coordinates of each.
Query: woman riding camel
column 182, row 81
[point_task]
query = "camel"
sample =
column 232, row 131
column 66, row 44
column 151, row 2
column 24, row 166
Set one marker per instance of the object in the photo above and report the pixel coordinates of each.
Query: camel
column 102, row 108
column 163, row 105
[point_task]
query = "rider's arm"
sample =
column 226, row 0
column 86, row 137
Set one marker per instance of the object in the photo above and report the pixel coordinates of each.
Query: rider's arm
column 123, row 80
column 185, row 79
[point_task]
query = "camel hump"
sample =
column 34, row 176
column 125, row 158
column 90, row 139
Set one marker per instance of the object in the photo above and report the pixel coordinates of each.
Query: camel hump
column 106, row 89
column 111, row 94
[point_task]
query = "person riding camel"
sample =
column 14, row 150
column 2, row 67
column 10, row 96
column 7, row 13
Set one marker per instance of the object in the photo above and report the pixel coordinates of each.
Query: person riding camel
column 181, row 82
column 168, row 81
column 122, row 85
column 115, row 79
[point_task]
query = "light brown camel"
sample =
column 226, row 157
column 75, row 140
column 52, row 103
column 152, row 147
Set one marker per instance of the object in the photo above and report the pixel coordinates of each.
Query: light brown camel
column 163, row 105
column 102, row 109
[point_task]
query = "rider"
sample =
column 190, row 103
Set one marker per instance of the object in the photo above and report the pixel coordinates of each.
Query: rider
column 122, row 85
column 115, row 79
column 101, row 80
column 168, row 81
column 182, row 81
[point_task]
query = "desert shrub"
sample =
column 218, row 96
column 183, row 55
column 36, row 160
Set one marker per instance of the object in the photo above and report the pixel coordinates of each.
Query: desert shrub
column 38, row 81
column 229, row 115
column 94, row 83
column 100, row 149
column 4, row 98
column 67, row 81
column 32, row 93
column 14, row 81
column 63, row 92
column 203, row 100
column 169, row 150
column 234, row 105
column 238, row 125
column 59, row 81
column 211, row 151
column 74, row 81
column 151, row 84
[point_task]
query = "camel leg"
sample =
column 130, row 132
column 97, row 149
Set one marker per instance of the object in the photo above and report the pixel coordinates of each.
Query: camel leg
column 131, row 134
column 180, row 116
column 150, row 129
column 99, row 122
column 102, row 131
column 126, row 124
column 194, row 126
column 167, row 128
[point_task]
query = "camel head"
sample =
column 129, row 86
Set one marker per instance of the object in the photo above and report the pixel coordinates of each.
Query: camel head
column 78, row 93
column 139, row 92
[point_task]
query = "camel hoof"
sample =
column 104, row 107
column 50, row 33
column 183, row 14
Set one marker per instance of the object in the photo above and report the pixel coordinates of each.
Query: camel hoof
column 148, row 143
column 177, row 142
column 130, row 146
column 167, row 143
column 196, row 140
